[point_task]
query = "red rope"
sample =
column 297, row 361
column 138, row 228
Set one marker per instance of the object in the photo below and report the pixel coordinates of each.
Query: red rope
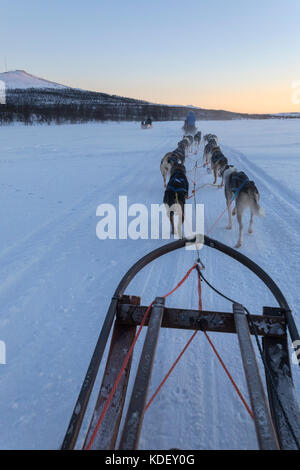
column 126, row 360
column 180, row 355
column 218, row 355
column 216, row 352
column 170, row 371
column 217, row 220
column 182, row 281
column 229, row 376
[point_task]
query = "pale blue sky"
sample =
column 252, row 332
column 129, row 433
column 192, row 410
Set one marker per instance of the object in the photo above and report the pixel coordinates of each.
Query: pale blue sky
column 234, row 54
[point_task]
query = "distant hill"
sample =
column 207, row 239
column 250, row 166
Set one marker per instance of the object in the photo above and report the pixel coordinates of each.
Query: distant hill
column 32, row 99
column 19, row 79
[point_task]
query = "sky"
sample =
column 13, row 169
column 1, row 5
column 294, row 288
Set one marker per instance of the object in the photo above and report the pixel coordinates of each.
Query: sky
column 238, row 55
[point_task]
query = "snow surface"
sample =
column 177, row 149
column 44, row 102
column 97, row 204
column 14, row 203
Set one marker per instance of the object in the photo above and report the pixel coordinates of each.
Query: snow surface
column 19, row 79
column 57, row 278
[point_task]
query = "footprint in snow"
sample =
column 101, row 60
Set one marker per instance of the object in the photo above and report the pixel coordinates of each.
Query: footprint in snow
column 180, row 393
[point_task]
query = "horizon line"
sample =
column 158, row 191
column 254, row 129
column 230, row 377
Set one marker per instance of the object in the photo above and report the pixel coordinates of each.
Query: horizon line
column 153, row 102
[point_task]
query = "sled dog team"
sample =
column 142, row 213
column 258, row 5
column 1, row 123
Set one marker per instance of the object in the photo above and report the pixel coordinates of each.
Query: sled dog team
column 238, row 187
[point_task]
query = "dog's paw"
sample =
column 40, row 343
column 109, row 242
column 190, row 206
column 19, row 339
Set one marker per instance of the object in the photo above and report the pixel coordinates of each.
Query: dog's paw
column 221, row 186
column 228, row 227
column 238, row 245
column 250, row 230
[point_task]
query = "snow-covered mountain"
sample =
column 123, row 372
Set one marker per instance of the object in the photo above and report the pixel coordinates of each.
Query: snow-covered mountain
column 19, row 79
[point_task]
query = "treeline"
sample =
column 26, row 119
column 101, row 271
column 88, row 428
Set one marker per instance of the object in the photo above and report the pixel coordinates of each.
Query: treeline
column 70, row 105
column 37, row 96
column 61, row 113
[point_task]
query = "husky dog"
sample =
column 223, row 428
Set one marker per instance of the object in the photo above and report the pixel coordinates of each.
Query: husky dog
column 217, row 163
column 185, row 143
column 197, row 140
column 238, row 187
column 165, row 167
column 179, row 153
column 190, row 139
column 175, row 196
column 208, row 149
column 209, row 137
column 176, row 157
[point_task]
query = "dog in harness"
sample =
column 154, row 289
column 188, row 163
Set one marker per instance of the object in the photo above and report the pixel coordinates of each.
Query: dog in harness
column 209, row 137
column 184, row 144
column 208, row 150
column 169, row 160
column 175, row 196
column 179, row 153
column 244, row 192
column 197, row 140
column 217, row 163
column 238, row 181
column 190, row 140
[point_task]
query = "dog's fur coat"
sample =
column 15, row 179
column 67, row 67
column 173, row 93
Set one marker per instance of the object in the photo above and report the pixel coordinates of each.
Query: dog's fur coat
column 208, row 150
column 218, row 162
column 176, row 157
column 208, row 137
column 197, row 141
column 175, row 196
column 245, row 195
column 190, row 140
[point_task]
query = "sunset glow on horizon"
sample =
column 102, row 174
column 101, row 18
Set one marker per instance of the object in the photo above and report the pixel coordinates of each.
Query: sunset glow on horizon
column 253, row 100
column 228, row 55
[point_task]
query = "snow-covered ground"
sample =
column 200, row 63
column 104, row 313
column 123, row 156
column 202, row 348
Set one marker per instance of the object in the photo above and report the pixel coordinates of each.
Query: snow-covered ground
column 57, row 277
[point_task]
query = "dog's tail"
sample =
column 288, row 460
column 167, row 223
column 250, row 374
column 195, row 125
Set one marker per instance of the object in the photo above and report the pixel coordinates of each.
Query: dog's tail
column 254, row 198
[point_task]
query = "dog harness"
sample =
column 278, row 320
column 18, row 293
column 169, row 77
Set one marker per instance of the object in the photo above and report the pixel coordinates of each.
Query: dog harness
column 173, row 159
column 238, row 181
column 218, row 155
column 178, row 183
column 176, row 157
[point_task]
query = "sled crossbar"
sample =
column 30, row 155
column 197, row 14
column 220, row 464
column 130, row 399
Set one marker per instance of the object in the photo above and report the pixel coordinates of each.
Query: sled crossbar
column 223, row 322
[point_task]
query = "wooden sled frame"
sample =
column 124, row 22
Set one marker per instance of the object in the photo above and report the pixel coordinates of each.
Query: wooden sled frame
column 276, row 418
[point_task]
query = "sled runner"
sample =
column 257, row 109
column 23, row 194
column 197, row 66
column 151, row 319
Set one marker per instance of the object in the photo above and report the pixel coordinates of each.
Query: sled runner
column 276, row 414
